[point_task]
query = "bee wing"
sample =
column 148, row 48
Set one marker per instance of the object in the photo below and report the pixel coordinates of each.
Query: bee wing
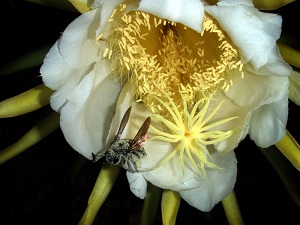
column 140, row 138
column 123, row 124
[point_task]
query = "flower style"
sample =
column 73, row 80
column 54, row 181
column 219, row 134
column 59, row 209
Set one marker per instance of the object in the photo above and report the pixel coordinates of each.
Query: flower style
column 208, row 75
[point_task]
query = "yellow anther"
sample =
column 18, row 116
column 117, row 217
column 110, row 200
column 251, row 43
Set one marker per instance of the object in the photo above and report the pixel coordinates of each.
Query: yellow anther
column 161, row 52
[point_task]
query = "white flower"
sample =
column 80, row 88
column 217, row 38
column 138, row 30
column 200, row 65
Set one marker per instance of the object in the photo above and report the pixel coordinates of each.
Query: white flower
column 207, row 76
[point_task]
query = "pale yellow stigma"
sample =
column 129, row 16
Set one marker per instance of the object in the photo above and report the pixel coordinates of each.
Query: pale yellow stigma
column 160, row 56
column 193, row 132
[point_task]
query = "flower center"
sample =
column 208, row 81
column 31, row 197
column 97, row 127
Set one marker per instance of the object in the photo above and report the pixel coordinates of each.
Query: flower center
column 162, row 57
column 193, row 132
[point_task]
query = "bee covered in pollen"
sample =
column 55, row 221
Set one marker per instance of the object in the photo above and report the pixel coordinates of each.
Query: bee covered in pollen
column 126, row 152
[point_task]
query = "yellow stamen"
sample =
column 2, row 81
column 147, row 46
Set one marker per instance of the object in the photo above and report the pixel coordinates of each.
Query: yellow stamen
column 160, row 56
column 192, row 133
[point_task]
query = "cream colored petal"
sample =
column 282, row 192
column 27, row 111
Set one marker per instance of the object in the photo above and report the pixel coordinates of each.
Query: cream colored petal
column 71, row 58
column 187, row 12
column 255, row 90
column 87, row 114
column 235, row 2
column 217, row 185
column 137, row 184
column 59, row 97
column 77, row 44
column 138, row 115
column 253, row 32
column 274, row 66
column 54, row 70
column 268, row 123
column 107, row 7
column 239, row 125
column 57, row 75
column 170, row 175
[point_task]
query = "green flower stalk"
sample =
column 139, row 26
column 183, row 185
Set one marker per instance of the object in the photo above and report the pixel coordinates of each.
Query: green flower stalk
column 102, row 188
column 25, row 102
column 232, row 210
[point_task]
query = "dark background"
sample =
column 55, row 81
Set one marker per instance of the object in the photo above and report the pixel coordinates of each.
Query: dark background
column 50, row 183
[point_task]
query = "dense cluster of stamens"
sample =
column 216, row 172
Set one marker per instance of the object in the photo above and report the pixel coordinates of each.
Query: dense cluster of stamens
column 161, row 57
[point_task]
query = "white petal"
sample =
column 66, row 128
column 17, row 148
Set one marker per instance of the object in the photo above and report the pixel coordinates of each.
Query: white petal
column 70, row 59
column 107, row 7
column 59, row 97
column 53, row 69
column 78, row 44
column 138, row 115
column 217, row 185
column 274, row 66
column 170, row 175
column 239, row 125
column 255, row 90
column 57, row 75
column 137, row 184
column 87, row 115
column 268, row 123
column 235, row 2
column 253, row 32
column 187, row 12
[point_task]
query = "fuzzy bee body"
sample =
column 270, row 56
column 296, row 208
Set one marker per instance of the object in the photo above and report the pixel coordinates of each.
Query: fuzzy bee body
column 118, row 154
column 126, row 152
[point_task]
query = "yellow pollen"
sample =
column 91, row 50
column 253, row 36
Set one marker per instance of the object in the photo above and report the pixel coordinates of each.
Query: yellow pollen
column 188, row 134
column 161, row 57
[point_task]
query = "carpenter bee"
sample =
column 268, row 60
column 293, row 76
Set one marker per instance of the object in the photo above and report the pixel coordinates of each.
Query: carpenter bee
column 126, row 152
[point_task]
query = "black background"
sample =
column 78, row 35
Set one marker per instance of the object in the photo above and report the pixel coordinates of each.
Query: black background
column 50, row 183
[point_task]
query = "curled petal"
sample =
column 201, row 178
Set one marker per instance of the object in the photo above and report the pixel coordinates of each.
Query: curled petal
column 268, row 123
column 253, row 32
column 239, row 125
column 137, row 184
column 188, row 12
column 217, row 185
column 77, row 44
column 254, row 90
column 60, row 76
column 87, row 114
column 107, row 7
column 139, row 113
column 274, row 66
